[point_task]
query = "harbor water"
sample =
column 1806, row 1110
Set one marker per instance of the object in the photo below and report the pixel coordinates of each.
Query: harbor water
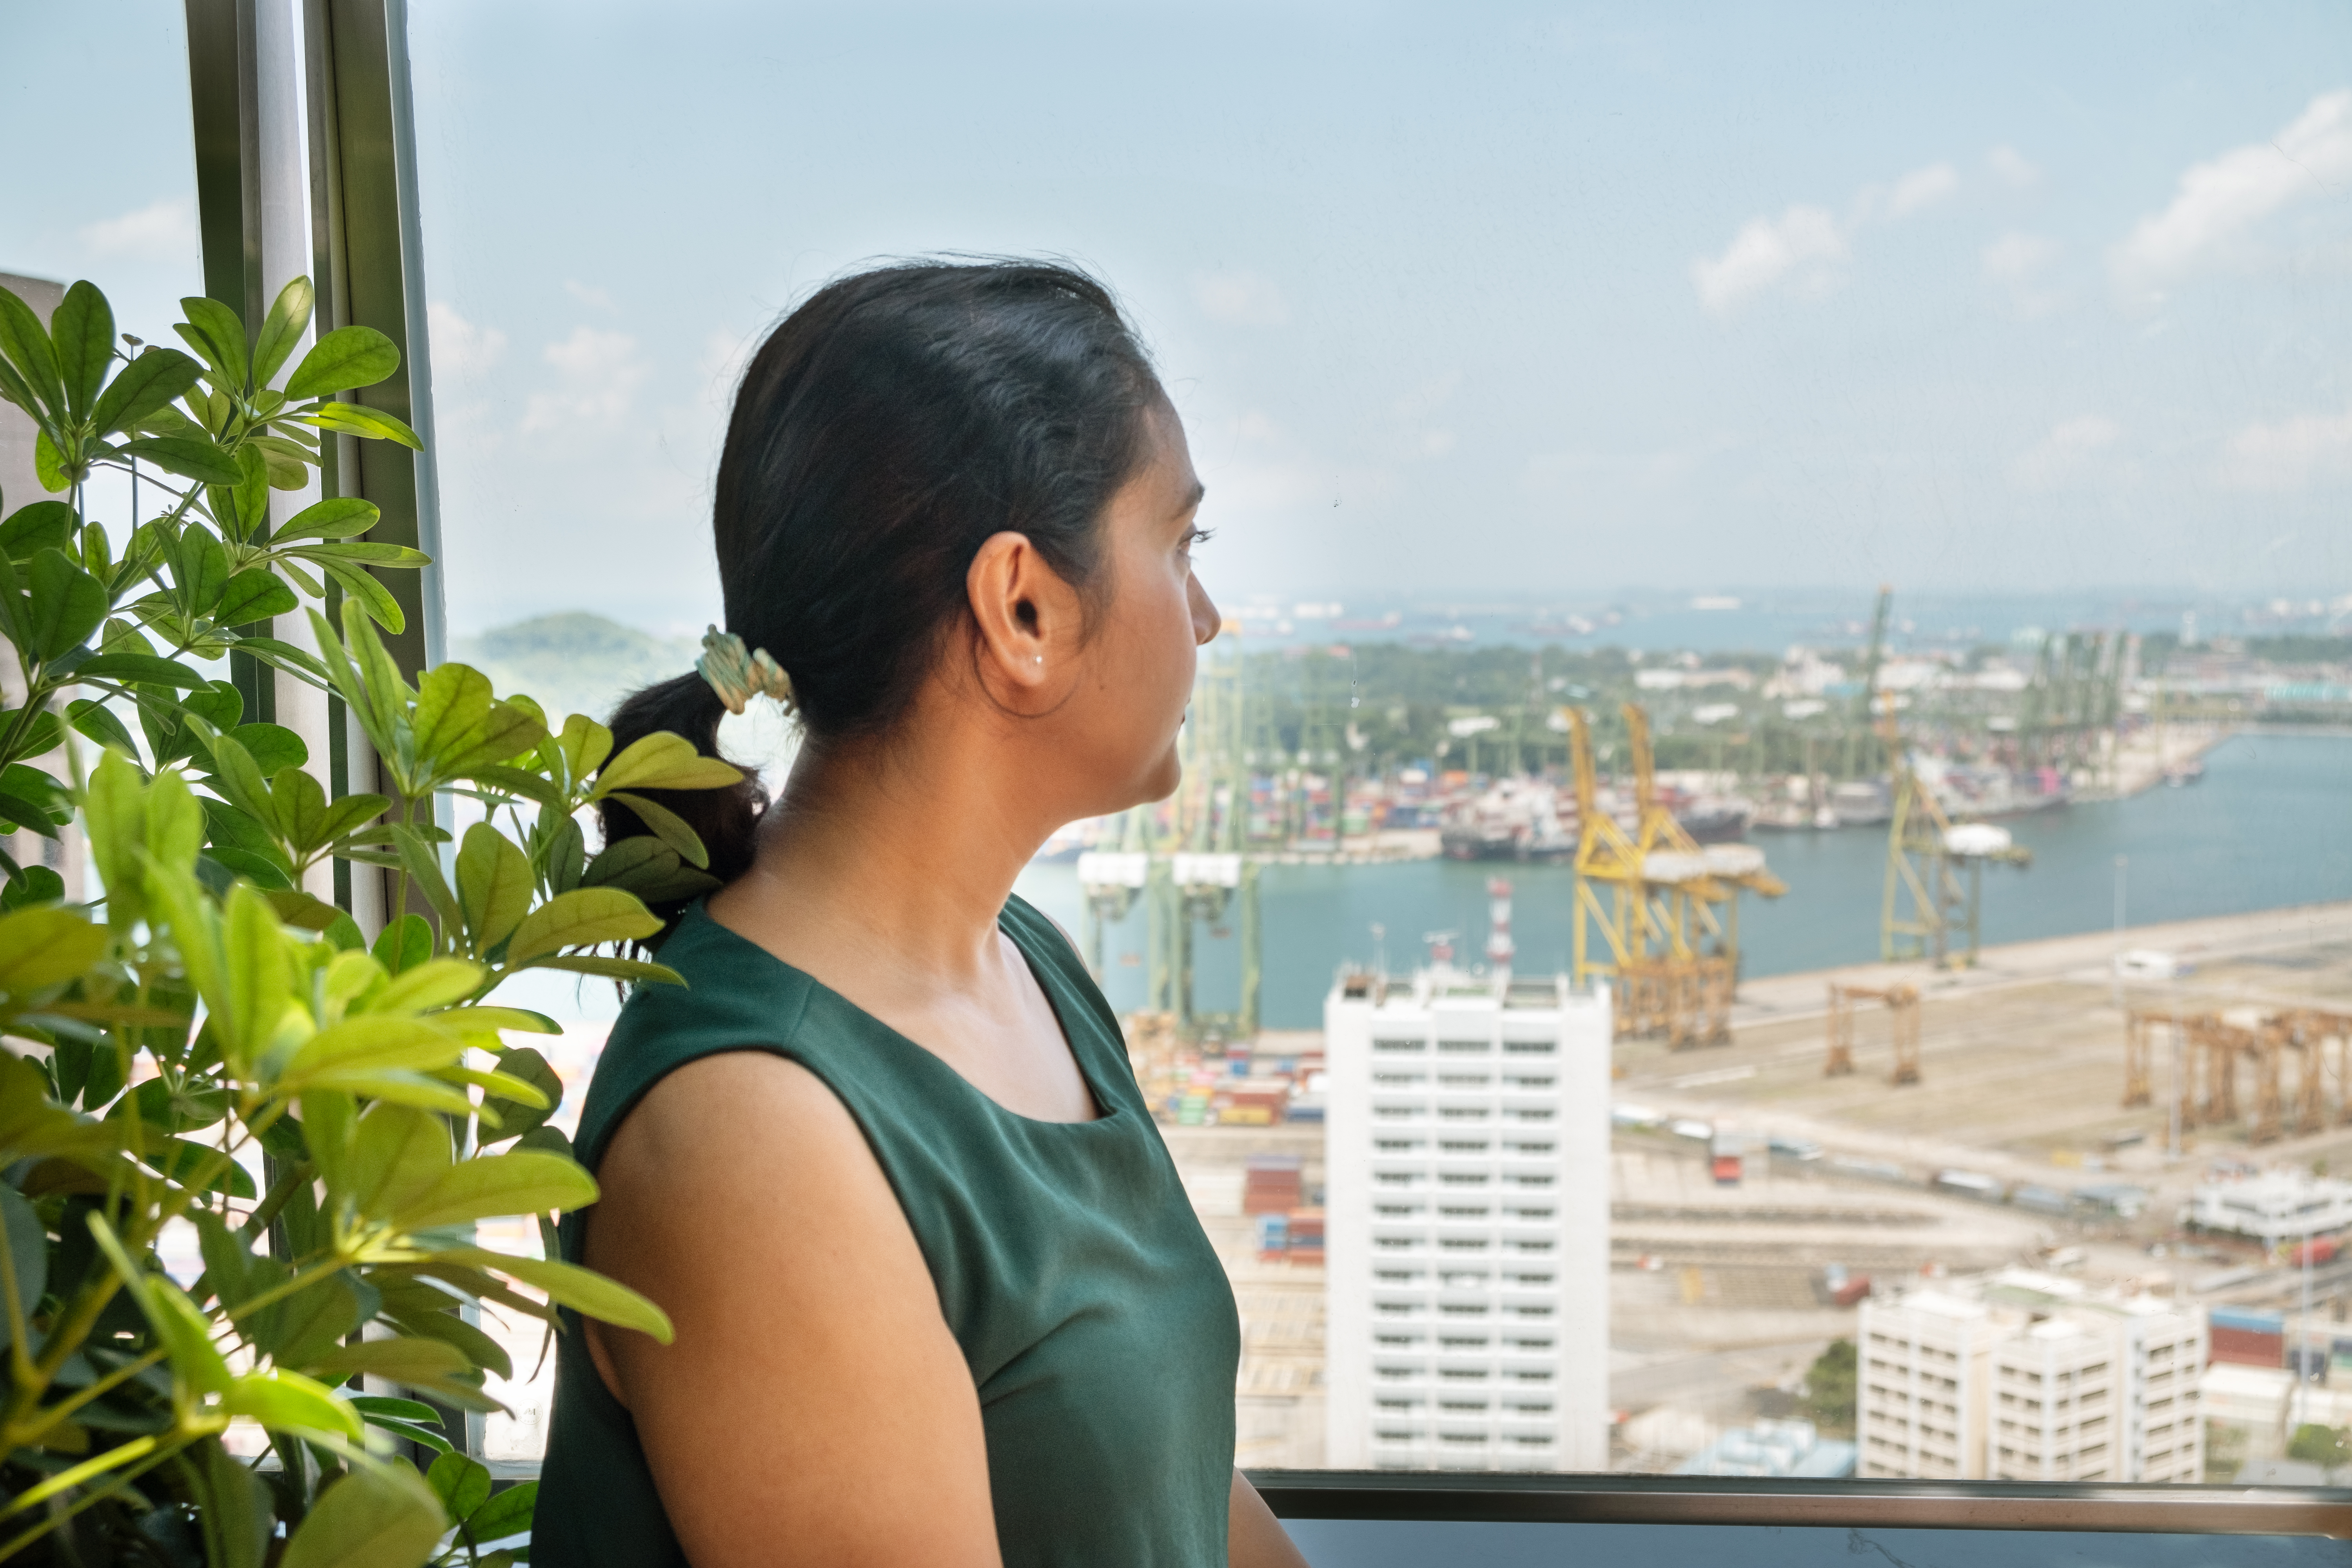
column 2269, row 825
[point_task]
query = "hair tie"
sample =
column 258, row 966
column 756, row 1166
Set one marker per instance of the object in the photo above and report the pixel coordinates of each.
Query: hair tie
column 737, row 674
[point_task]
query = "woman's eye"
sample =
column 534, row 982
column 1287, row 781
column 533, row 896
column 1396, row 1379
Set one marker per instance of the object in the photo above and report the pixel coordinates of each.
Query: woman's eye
column 1194, row 539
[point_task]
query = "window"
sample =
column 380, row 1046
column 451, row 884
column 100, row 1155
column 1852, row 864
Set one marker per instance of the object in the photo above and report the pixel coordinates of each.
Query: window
column 1536, row 364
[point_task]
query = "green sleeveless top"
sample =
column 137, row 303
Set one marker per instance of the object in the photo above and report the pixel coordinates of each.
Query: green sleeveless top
column 1092, row 1311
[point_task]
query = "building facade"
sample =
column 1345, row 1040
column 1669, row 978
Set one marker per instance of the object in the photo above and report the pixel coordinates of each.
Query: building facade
column 1467, row 1148
column 2027, row 1378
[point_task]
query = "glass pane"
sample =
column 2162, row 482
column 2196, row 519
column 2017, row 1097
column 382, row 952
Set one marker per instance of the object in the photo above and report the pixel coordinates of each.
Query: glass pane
column 94, row 108
column 1906, row 462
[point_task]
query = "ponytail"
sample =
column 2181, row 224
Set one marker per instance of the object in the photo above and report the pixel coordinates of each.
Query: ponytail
column 726, row 820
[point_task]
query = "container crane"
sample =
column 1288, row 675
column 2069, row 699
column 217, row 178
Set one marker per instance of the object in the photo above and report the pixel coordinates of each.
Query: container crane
column 1665, row 907
column 1928, row 907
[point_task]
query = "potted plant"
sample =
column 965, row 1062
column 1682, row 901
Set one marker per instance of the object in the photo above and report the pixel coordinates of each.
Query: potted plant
column 203, row 1044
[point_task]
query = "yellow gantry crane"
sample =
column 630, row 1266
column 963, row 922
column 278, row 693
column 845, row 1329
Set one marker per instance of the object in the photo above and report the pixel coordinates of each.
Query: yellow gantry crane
column 1666, row 907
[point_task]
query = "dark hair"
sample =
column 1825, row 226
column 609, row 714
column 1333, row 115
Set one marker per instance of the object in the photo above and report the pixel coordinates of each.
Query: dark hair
column 886, row 429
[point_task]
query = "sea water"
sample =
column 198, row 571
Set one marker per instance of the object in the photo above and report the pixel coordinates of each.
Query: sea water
column 2269, row 825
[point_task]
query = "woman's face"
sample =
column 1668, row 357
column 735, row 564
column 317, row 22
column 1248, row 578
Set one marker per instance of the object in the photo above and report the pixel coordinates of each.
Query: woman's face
column 1139, row 661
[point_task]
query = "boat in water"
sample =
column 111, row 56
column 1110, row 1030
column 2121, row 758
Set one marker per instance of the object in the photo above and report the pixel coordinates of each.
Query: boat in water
column 1513, row 819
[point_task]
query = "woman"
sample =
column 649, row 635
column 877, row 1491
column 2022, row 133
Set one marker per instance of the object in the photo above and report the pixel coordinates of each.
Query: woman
column 939, row 1296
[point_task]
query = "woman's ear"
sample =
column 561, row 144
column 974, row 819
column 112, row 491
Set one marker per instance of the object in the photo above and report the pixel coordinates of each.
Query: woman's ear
column 1028, row 617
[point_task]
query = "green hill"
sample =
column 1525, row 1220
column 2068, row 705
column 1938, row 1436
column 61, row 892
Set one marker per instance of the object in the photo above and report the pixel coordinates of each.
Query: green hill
column 573, row 662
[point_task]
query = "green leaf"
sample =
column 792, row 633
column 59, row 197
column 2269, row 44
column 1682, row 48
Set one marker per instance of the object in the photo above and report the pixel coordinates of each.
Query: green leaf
column 665, row 761
column 236, row 1515
column 516, row 1118
column 423, row 865
column 403, row 944
column 190, row 456
column 401, row 1360
column 138, row 669
column 452, row 701
column 312, row 1321
column 378, row 1516
column 497, row 780
column 31, row 885
column 666, row 825
column 647, row 867
column 596, row 964
column 362, row 590
column 494, row 886
column 357, row 419
column 489, row 1185
column 49, row 464
column 341, row 517
column 213, row 331
column 14, row 389
column 43, row 525
column 295, row 661
column 18, row 812
column 253, row 595
column 82, row 330
column 424, row 1436
column 422, row 987
column 68, row 604
column 272, row 747
column 580, row 918
column 397, row 1153
column 398, row 1409
column 186, row 1332
column 25, row 343
column 370, row 1043
column 240, row 778
column 346, row 358
column 585, row 744
column 259, row 986
column 288, row 1401
column 504, row 1515
column 29, row 1253
column 145, row 388
column 462, row 1483
column 281, row 329
column 41, row 948
column 569, row 1285
column 360, row 552
column 242, row 510
column 93, row 720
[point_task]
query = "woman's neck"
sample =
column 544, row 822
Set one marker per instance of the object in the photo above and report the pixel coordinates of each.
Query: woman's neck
column 906, row 851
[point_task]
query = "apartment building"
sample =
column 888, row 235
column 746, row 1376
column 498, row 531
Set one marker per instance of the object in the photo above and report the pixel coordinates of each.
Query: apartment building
column 1467, row 1206
column 2025, row 1376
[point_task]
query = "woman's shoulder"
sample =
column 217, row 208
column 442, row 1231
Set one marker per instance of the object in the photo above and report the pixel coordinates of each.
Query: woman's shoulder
column 728, row 995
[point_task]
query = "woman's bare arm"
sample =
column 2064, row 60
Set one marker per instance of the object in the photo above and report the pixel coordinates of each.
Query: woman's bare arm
column 1254, row 1537
column 813, row 1408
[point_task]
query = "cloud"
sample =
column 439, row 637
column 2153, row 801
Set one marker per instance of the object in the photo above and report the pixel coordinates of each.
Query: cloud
column 2013, row 168
column 461, row 349
column 2016, row 262
column 2292, row 454
column 165, row 231
column 1803, row 245
column 2075, row 452
column 1921, row 189
column 2219, row 200
column 1241, row 300
column 600, row 371
column 588, row 294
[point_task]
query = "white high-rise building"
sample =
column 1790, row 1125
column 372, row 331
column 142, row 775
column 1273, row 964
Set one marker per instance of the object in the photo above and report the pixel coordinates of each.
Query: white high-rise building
column 1466, row 1201
column 2027, row 1378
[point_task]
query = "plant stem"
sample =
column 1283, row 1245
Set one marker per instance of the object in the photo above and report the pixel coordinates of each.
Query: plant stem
column 66, row 1480
column 100, row 1495
column 23, row 1437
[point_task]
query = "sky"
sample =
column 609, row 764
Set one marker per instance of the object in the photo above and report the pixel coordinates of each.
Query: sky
column 1529, row 300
